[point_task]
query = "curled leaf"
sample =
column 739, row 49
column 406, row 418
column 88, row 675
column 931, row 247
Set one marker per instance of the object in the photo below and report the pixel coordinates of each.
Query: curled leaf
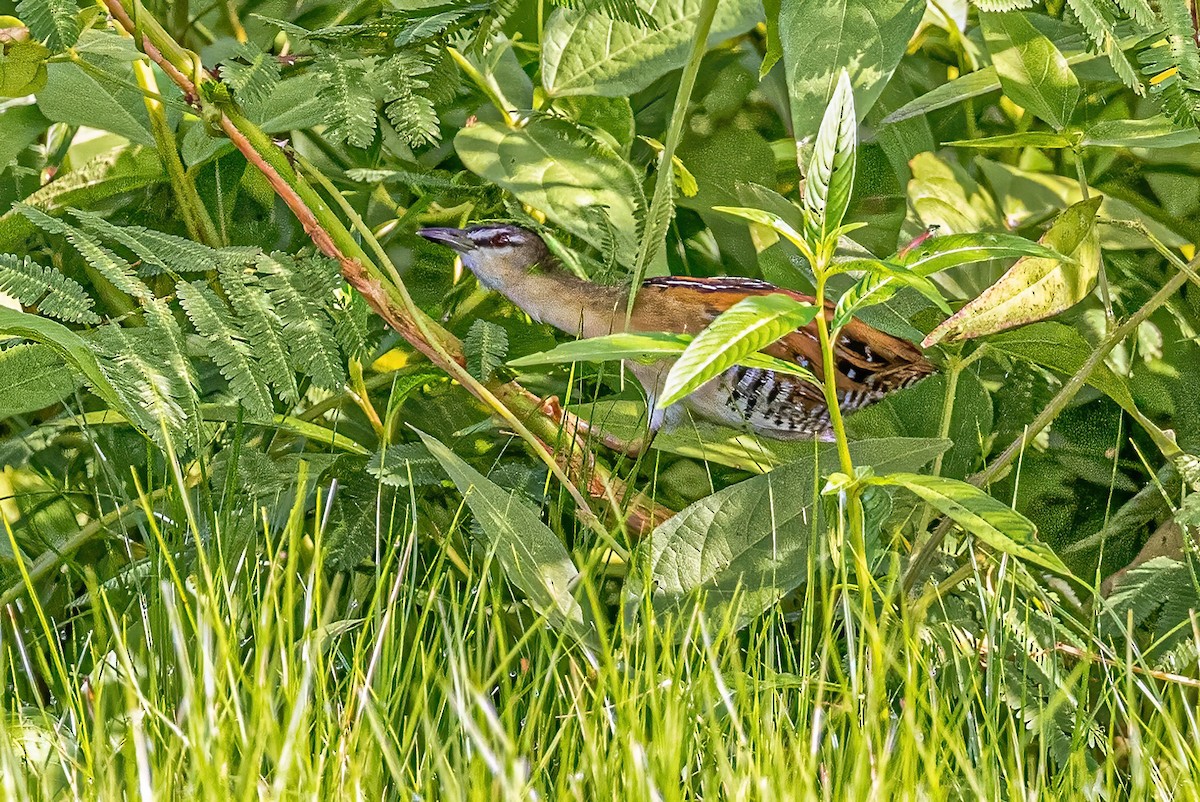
column 1036, row 287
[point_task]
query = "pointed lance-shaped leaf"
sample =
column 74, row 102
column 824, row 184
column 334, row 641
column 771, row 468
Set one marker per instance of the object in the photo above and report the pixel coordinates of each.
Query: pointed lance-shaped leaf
column 1033, row 73
column 744, row 328
column 830, row 175
column 995, row 524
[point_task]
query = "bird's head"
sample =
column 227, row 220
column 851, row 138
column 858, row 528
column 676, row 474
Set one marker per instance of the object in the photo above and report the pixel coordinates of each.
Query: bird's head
column 499, row 254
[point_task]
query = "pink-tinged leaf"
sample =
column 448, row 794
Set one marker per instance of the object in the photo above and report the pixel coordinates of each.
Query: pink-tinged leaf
column 1036, row 287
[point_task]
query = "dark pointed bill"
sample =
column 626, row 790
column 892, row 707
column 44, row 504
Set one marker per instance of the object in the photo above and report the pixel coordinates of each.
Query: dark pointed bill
column 454, row 238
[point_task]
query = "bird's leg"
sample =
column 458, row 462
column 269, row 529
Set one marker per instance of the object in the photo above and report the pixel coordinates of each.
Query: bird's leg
column 575, row 426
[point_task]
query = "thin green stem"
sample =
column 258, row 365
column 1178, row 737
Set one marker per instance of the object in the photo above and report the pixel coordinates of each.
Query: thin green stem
column 829, row 379
column 195, row 215
column 657, row 218
column 1102, row 276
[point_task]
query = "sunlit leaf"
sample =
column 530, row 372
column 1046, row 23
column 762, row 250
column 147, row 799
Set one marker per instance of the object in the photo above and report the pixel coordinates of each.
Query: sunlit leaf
column 1034, row 74
column 747, row 326
column 1035, row 287
column 823, row 37
column 830, row 174
column 646, row 348
column 997, row 525
column 587, row 53
column 575, row 182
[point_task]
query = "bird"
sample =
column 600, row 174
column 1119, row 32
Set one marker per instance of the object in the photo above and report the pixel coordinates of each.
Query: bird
column 870, row 363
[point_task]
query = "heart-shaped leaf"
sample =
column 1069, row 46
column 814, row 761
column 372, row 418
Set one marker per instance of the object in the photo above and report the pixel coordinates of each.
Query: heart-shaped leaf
column 549, row 164
column 748, row 544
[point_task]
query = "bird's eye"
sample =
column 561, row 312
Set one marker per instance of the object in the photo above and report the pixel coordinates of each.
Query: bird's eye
column 500, row 240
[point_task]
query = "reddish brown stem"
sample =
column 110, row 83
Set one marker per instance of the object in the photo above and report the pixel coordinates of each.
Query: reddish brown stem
column 640, row 518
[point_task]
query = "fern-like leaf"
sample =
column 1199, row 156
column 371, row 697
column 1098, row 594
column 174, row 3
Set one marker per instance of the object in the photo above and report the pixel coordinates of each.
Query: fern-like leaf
column 136, row 362
column 485, row 346
column 349, row 100
column 627, row 11
column 300, row 297
column 113, row 268
column 56, row 22
column 1100, row 26
column 252, row 73
column 228, row 347
column 1174, row 67
column 1003, row 5
column 264, row 330
column 54, row 294
column 353, row 326
column 159, row 252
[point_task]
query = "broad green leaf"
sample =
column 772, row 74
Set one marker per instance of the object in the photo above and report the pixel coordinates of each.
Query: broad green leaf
column 1034, row 74
column 76, row 97
column 779, row 223
column 1154, row 132
column 23, row 68
column 20, row 126
column 954, row 250
column 533, row 558
column 549, row 164
column 945, row 195
column 589, row 53
column 1063, row 350
column 610, row 118
column 774, row 49
column 974, row 84
column 881, row 282
column 1025, row 139
column 744, row 328
column 916, row 412
column 748, row 543
column 823, row 37
column 1036, row 286
column 639, row 347
column 644, row 347
column 997, row 525
column 965, row 87
column 830, row 174
column 33, row 377
column 1027, row 196
column 70, row 347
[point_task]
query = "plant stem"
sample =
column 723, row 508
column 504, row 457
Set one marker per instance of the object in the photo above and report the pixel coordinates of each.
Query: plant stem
column 195, row 216
column 388, row 298
column 1102, row 277
column 829, row 378
column 657, row 217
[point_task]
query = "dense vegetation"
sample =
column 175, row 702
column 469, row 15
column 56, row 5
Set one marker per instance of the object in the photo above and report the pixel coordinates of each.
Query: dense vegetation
column 287, row 510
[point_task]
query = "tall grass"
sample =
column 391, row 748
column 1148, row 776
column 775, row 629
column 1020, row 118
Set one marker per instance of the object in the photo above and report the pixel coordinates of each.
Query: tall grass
column 238, row 671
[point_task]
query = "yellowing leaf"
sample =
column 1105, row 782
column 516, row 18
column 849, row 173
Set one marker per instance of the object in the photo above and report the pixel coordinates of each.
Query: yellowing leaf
column 1036, row 287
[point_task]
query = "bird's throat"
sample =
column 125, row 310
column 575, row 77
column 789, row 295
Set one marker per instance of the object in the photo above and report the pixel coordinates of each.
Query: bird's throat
column 568, row 303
